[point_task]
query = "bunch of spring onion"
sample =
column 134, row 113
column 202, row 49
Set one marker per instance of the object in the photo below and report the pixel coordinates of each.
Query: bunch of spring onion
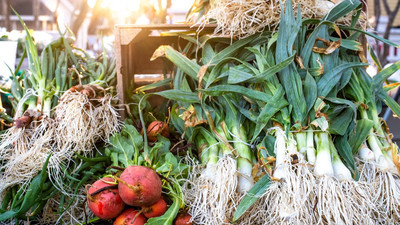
column 334, row 197
column 214, row 124
column 377, row 155
column 62, row 106
column 298, row 99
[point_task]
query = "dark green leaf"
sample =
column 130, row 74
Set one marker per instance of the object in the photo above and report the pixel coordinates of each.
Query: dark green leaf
column 360, row 134
column 332, row 77
column 385, row 74
column 181, row 96
column 169, row 215
column 154, row 85
column 310, row 91
column 346, row 153
column 339, row 123
column 238, row 74
column 372, row 35
column 252, row 196
column 389, row 101
column 182, row 62
column 221, row 89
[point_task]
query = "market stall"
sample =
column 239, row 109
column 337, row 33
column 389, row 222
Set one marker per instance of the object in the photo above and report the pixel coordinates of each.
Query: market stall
column 261, row 113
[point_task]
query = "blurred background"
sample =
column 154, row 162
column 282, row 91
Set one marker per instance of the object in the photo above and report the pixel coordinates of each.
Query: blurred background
column 87, row 19
column 91, row 19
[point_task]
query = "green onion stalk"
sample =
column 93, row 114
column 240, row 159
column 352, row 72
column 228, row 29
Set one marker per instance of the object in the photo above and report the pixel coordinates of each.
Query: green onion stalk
column 212, row 188
column 348, row 199
column 239, row 139
column 376, row 160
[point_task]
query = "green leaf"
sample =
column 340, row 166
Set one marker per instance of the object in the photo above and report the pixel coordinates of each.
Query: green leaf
column 180, row 96
column 374, row 58
column 346, row 153
column 232, row 49
column 221, row 89
column 273, row 106
column 321, row 122
column 342, row 9
column 389, row 101
column 182, row 62
column 331, row 78
column 8, row 215
column 169, row 215
column 252, row 196
column 360, row 134
column 289, row 76
column 269, row 72
column 33, row 56
column 207, row 53
column 310, row 91
column 384, row 74
column 238, row 74
column 125, row 146
column 154, row 85
column 338, row 124
column 372, row 35
column 341, row 101
column 349, row 44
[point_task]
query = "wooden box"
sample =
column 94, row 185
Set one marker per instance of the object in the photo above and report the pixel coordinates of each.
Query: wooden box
column 134, row 46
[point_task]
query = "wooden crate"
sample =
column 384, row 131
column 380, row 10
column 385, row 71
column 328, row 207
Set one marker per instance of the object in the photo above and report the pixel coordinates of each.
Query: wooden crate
column 134, row 46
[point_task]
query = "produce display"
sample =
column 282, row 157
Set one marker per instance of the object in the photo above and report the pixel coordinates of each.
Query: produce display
column 271, row 122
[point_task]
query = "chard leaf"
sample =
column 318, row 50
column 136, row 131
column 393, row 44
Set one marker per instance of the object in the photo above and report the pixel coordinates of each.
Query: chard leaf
column 169, row 215
column 125, row 147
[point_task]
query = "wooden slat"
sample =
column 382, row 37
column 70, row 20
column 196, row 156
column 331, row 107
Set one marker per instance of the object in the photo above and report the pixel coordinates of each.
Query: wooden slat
column 134, row 46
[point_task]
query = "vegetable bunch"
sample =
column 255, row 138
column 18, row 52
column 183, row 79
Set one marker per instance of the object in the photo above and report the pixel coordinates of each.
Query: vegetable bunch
column 301, row 101
column 62, row 106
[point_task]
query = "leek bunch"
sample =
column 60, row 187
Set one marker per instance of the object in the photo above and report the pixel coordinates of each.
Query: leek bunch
column 310, row 112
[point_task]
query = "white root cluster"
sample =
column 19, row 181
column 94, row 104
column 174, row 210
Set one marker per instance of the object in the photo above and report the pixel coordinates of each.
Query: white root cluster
column 383, row 190
column 342, row 202
column 24, row 153
column 210, row 193
column 242, row 18
column 302, row 197
column 75, row 115
column 78, row 125
column 285, row 200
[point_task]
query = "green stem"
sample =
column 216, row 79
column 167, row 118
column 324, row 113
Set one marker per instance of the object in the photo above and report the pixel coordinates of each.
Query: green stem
column 340, row 170
column 310, row 147
column 244, row 162
column 201, row 146
column 323, row 162
column 220, row 130
column 301, row 138
column 212, row 147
